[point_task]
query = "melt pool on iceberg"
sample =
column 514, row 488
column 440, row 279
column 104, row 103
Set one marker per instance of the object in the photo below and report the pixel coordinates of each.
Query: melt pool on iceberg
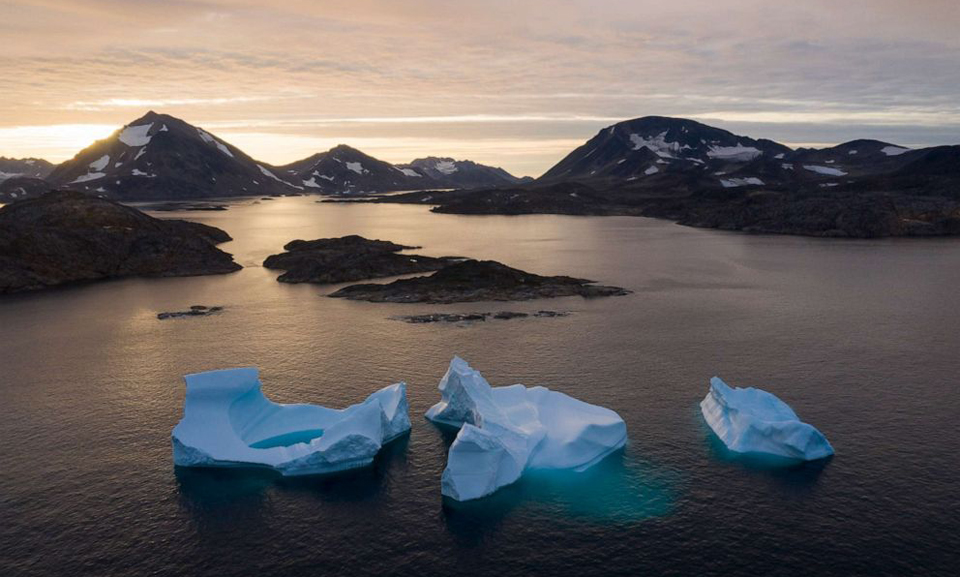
column 753, row 421
column 228, row 422
column 506, row 430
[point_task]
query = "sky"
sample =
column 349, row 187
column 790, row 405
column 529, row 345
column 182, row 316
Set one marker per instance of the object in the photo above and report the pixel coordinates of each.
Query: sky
column 516, row 84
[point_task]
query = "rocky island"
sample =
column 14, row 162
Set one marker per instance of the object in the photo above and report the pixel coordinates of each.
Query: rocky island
column 474, row 317
column 193, row 311
column 67, row 236
column 348, row 259
column 476, row 280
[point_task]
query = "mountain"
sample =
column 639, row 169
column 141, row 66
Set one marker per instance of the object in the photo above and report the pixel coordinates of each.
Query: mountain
column 462, row 173
column 24, row 168
column 68, row 236
column 654, row 145
column 346, row 170
column 161, row 157
column 702, row 176
column 21, row 187
column 680, row 155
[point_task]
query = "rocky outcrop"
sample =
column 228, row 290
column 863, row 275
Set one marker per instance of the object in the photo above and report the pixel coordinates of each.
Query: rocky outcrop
column 194, row 311
column 348, row 259
column 473, row 317
column 473, row 280
column 67, row 236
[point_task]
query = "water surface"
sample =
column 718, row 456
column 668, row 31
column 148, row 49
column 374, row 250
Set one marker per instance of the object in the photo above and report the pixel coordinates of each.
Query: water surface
column 860, row 337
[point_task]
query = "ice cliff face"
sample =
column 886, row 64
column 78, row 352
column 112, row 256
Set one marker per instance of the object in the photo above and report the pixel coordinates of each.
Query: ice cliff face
column 506, row 430
column 227, row 421
column 753, row 421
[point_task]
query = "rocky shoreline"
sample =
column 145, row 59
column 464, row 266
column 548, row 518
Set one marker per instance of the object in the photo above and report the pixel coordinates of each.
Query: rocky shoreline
column 66, row 237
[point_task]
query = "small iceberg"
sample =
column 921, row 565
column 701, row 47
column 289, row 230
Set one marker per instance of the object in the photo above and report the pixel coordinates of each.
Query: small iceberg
column 753, row 421
column 506, row 430
column 228, row 422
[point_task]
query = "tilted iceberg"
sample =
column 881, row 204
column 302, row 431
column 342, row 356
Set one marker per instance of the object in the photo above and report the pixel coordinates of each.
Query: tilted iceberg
column 505, row 430
column 228, row 422
column 753, row 421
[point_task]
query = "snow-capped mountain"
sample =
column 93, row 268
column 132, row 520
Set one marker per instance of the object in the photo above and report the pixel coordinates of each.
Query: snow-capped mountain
column 162, row 157
column 462, row 173
column 653, row 145
column 680, row 155
column 24, row 168
column 346, row 170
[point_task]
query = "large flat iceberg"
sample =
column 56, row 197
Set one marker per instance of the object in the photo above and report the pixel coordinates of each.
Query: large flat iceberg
column 753, row 421
column 228, row 422
column 506, row 430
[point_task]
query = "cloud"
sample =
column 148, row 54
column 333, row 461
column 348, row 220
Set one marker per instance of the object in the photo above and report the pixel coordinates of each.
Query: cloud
column 552, row 70
column 97, row 105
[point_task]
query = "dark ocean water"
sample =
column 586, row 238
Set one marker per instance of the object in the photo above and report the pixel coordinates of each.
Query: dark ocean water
column 860, row 337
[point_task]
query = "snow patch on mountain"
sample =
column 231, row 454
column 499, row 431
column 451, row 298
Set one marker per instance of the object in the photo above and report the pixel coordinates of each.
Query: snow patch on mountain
column 409, row 172
column 136, row 135
column 88, row 177
column 657, row 144
column 826, row 170
column 269, row 174
column 211, row 140
column 735, row 182
column 738, row 152
column 100, row 163
column 356, row 167
column 446, row 167
column 894, row 150
column 651, row 170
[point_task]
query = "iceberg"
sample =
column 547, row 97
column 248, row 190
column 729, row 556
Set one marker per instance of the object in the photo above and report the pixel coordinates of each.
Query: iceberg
column 507, row 430
column 228, row 422
column 753, row 421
